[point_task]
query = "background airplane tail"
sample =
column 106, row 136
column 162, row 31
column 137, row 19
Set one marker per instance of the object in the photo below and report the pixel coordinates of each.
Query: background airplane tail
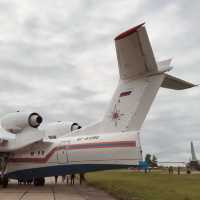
column 193, row 154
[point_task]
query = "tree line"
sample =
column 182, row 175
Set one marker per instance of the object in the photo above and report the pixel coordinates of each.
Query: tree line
column 151, row 160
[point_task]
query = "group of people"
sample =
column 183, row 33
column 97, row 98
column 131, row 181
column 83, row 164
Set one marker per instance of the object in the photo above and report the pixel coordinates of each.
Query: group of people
column 24, row 181
column 171, row 170
column 70, row 178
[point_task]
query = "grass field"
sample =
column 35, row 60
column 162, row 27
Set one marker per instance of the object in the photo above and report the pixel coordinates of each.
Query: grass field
column 128, row 185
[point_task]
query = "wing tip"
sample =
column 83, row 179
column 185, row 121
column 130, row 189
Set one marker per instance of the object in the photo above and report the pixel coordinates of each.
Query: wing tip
column 129, row 32
column 190, row 86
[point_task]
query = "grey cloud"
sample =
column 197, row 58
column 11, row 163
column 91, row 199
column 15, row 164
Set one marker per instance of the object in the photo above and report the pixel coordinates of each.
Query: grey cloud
column 8, row 85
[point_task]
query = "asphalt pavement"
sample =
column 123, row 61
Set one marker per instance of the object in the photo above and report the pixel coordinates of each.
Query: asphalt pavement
column 52, row 191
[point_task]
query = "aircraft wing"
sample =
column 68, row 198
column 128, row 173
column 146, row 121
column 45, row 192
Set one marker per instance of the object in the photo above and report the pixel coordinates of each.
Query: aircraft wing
column 4, row 135
column 18, row 141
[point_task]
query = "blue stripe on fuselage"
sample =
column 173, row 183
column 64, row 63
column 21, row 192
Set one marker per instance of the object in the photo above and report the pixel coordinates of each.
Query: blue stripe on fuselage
column 59, row 170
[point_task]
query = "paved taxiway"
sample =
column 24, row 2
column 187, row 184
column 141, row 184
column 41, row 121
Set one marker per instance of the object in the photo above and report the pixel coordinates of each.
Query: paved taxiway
column 52, row 192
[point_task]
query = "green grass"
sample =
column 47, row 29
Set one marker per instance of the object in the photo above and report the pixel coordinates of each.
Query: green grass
column 128, row 185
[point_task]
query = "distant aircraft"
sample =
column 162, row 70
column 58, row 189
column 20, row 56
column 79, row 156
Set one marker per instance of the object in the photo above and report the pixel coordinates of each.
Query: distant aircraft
column 30, row 152
column 194, row 162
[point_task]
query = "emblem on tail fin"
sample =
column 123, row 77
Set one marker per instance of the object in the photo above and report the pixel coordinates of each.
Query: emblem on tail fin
column 116, row 115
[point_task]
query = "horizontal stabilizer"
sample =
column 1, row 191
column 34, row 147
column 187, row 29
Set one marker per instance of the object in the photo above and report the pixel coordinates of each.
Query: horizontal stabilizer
column 164, row 63
column 172, row 82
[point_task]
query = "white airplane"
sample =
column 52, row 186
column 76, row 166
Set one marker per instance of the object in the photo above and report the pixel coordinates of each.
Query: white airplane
column 30, row 152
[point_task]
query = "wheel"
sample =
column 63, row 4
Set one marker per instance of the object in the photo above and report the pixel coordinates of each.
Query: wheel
column 42, row 181
column 5, row 182
column 39, row 181
column 35, row 182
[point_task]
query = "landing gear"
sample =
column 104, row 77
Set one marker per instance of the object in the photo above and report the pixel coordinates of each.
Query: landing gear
column 3, row 164
column 39, row 181
column 4, row 181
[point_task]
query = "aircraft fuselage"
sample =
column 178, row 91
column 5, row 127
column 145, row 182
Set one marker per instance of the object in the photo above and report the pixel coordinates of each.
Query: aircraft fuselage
column 75, row 154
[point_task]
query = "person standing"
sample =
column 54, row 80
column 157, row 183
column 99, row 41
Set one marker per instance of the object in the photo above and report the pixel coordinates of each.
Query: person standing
column 72, row 179
column 67, row 178
column 171, row 170
column 63, row 179
column 56, row 179
column 82, row 178
column 179, row 170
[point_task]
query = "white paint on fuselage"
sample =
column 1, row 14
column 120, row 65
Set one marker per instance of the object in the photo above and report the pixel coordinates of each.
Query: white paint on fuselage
column 63, row 155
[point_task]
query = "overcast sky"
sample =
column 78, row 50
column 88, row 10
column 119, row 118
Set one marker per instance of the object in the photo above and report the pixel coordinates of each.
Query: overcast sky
column 58, row 58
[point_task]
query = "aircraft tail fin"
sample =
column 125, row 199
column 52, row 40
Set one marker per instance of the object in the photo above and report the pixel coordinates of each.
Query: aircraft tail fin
column 140, row 79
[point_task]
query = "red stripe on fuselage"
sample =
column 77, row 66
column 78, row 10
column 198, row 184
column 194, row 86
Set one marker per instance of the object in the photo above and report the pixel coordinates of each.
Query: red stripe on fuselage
column 75, row 147
column 101, row 145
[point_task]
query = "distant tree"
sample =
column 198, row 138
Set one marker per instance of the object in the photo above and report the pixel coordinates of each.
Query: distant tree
column 148, row 159
column 154, row 161
column 151, row 160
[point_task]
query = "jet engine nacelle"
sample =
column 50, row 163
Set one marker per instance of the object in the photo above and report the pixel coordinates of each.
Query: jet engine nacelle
column 57, row 129
column 16, row 122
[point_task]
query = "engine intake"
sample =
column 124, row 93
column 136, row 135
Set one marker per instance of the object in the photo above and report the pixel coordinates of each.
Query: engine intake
column 34, row 120
column 75, row 126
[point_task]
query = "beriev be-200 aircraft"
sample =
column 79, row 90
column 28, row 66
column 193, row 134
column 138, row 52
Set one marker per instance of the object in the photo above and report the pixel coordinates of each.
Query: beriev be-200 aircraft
column 28, row 151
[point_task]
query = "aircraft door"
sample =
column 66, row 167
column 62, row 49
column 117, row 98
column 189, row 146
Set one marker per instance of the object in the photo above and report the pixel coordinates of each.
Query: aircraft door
column 62, row 157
